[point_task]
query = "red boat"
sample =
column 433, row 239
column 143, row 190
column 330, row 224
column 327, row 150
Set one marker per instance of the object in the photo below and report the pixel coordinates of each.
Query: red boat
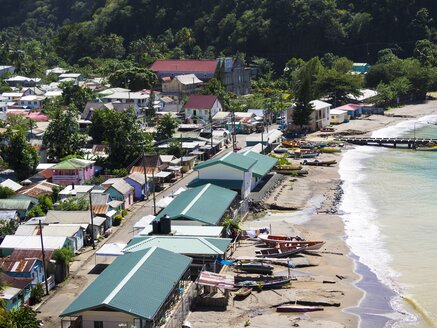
column 284, row 241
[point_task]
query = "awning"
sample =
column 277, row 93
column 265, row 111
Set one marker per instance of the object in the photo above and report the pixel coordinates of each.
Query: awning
column 164, row 202
column 144, row 222
column 162, row 174
column 112, row 249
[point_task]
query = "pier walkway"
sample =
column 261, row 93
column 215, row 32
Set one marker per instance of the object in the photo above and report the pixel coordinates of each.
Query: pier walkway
column 390, row 142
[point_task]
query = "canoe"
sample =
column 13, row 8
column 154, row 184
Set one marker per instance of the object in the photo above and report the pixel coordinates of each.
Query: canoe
column 280, row 237
column 298, row 308
column 319, row 163
column 256, row 267
column 279, row 252
column 291, row 143
column 311, row 245
column 243, row 292
column 262, row 283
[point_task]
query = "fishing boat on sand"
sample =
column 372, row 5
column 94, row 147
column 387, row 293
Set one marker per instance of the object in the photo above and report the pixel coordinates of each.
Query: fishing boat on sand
column 318, row 163
column 279, row 252
column 243, row 292
column 262, row 283
column 298, row 308
column 256, row 267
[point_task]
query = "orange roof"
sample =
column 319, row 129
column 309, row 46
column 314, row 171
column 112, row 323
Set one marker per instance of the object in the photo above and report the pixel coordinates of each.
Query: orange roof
column 182, row 65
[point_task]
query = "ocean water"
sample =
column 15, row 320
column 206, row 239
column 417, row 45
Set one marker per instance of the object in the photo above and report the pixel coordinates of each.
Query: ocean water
column 390, row 213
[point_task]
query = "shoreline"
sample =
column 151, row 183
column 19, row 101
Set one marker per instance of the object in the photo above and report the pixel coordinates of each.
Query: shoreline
column 337, row 274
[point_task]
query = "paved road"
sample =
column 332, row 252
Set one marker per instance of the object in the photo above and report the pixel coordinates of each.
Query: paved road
column 84, row 263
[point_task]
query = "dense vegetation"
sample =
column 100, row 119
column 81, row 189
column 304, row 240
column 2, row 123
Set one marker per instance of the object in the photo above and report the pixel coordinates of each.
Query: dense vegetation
column 82, row 31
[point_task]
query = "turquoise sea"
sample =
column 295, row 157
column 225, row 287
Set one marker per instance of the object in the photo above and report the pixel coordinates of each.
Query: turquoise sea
column 389, row 208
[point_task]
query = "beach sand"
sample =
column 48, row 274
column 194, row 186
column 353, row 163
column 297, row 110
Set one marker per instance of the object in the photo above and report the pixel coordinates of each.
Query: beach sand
column 333, row 279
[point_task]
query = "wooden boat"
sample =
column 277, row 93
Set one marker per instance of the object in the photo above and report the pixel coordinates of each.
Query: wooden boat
column 280, row 238
column 243, row 292
column 292, row 143
column 279, row 252
column 262, row 283
column 256, row 267
column 298, row 308
column 311, row 245
column 318, row 163
column 300, row 154
column 327, row 129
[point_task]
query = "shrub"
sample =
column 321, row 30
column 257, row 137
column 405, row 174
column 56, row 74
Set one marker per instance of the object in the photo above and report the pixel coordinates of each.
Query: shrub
column 117, row 220
column 123, row 213
column 63, row 255
column 37, row 293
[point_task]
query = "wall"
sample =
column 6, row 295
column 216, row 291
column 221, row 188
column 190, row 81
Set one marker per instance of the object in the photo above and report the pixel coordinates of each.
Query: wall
column 109, row 319
column 138, row 188
column 221, row 172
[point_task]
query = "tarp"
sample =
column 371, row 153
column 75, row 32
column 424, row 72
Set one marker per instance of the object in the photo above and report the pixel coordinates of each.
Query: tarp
column 216, row 280
column 112, row 249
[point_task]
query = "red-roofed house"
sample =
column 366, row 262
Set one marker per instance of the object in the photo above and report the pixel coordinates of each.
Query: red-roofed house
column 201, row 107
column 353, row 110
column 203, row 69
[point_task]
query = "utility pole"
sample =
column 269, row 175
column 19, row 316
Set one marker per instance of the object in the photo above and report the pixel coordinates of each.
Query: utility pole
column 233, row 130
column 92, row 220
column 43, row 258
column 212, row 142
column 146, row 188
column 153, row 190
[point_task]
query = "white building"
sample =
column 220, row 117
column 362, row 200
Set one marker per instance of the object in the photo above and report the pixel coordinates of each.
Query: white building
column 338, row 116
column 31, row 101
column 202, row 107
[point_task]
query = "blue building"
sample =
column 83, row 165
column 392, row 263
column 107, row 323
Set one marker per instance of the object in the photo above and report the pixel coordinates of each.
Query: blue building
column 25, row 268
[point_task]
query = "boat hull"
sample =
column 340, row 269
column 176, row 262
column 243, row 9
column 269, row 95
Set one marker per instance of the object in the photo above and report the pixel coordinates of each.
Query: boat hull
column 297, row 308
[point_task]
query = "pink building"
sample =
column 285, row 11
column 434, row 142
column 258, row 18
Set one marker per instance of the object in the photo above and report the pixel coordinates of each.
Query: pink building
column 73, row 170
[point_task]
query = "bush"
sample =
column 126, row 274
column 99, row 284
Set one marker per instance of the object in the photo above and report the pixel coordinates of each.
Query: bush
column 117, row 220
column 63, row 255
column 37, row 293
column 6, row 192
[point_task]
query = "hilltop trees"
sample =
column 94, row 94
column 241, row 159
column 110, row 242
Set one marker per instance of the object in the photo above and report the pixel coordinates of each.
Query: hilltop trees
column 133, row 78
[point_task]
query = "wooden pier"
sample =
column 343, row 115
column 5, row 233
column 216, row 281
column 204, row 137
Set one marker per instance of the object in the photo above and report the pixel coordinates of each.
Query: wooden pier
column 390, row 142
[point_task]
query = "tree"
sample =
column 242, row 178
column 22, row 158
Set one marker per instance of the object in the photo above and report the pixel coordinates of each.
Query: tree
column 63, row 136
column 302, row 113
column 20, row 155
column 133, row 78
column 74, row 204
column 337, row 85
column 74, row 95
column 123, row 134
column 8, row 227
column 24, row 317
column 6, row 192
column 175, row 148
column 166, row 127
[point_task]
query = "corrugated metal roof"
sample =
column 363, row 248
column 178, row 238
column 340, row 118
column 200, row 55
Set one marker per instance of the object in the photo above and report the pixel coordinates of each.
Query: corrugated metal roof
column 205, row 204
column 75, row 217
column 263, row 163
column 120, row 185
column 8, row 215
column 14, row 204
column 61, row 231
column 137, row 177
column 23, row 265
column 100, row 209
column 73, row 163
column 32, row 242
column 26, row 230
column 11, row 185
column 200, row 102
column 19, row 254
column 187, row 245
column 184, row 65
column 231, row 159
column 228, row 184
column 149, row 275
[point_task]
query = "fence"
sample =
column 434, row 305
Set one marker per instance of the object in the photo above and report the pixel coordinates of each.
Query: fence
column 178, row 315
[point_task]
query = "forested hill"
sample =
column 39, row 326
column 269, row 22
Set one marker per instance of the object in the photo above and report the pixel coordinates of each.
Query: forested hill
column 275, row 29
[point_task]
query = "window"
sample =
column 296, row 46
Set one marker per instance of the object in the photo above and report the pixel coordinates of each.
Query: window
column 98, row 324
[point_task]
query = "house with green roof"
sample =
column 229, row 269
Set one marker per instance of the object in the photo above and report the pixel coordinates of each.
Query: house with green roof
column 72, row 171
column 136, row 290
column 21, row 206
column 235, row 171
column 203, row 205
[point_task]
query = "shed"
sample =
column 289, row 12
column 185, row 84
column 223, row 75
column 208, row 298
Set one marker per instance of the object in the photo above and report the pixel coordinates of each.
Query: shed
column 338, row 116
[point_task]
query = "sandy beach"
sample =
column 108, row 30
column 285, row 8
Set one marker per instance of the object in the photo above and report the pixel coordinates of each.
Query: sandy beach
column 332, row 277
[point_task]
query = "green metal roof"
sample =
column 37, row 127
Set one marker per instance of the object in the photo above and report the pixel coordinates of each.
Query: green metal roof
column 14, row 204
column 135, row 283
column 72, row 163
column 229, row 184
column 187, row 245
column 205, row 204
column 231, row 159
column 263, row 163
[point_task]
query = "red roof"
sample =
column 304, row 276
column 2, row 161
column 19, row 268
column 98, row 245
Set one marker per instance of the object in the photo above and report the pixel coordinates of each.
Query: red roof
column 36, row 116
column 177, row 65
column 200, row 102
column 349, row 107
